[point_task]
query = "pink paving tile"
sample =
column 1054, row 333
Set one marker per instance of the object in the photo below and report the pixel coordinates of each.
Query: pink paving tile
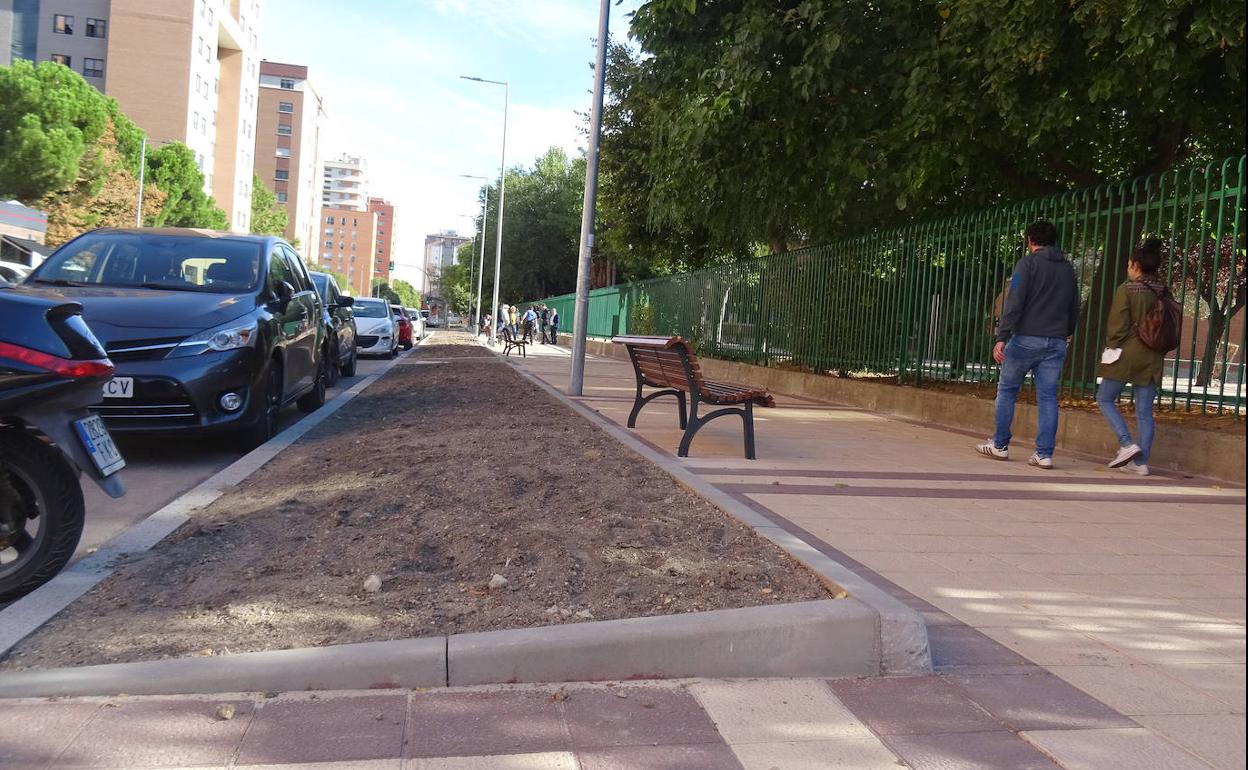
column 646, row 716
column 158, row 733
column 332, row 729
column 705, row 756
column 34, row 733
column 480, row 723
column 1038, row 701
column 969, row 751
column 922, row 705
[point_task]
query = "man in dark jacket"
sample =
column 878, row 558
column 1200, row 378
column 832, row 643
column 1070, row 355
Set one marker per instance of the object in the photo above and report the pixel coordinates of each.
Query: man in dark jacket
column 1039, row 317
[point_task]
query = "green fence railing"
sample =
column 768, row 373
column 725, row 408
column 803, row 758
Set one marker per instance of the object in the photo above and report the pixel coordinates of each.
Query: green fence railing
column 919, row 302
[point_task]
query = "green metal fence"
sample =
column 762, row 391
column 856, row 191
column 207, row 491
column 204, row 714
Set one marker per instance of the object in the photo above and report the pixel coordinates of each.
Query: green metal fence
column 920, row 302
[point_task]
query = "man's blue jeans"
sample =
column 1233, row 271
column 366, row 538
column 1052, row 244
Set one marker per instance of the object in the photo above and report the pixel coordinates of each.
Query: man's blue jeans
column 1145, row 396
column 1043, row 357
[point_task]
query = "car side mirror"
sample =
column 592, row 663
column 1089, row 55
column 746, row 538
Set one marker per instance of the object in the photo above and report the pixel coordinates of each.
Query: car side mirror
column 346, row 301
column 285, row 293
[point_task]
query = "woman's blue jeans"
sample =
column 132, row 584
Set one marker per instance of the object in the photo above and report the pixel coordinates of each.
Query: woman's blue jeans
column 1145, row 396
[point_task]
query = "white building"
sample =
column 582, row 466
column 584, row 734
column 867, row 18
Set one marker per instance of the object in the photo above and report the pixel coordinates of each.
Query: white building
column 345, row 184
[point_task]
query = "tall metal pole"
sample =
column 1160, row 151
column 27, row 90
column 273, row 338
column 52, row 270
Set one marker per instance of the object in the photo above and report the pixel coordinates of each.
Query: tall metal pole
column 580, row 320
column 498, row 238
column 485, row 213
column 138, row 214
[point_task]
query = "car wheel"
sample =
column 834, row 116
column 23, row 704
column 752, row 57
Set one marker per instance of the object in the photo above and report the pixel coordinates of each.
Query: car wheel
column 43, row 490
column 332, row 365
column 314, row 399
column 348, row 369
column 266, row 423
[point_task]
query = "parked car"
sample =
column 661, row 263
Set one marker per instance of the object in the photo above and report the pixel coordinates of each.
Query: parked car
column 209, row 331
column 13, row 272
column 339, row 322
column 377, row 331
column 418, row 323
column 405, row 326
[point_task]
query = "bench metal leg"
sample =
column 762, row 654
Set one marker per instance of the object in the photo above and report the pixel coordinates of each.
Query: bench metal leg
column 696, row 423
column 641, row 401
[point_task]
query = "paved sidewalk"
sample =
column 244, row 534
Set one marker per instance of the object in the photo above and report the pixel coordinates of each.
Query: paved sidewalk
column 699, row 725
column 1085, row 582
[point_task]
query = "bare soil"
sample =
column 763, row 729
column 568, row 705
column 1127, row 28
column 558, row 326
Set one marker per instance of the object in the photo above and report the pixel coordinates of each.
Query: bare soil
column 449, row 470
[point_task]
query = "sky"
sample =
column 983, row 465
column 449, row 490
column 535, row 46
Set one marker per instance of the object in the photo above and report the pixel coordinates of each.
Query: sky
column 388, row 72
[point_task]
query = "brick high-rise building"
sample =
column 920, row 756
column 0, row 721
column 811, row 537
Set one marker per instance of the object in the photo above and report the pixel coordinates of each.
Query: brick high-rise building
column 385, row 237
column 288, row 147
column 183, row 70
column 349, row 246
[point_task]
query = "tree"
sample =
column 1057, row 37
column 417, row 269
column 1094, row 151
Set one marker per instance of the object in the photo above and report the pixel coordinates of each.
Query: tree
column 173, row 169
column 49, row 119
column 1212, row 271
column 804, row 120
column 268, row 217
column 383, row 290
column 407, row 294
column 343, row 281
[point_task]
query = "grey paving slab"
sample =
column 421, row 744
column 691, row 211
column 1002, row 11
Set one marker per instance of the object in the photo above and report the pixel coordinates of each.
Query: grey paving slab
column 697, row 757
column 1038, row 701
column 997, row 750
column 920, row 705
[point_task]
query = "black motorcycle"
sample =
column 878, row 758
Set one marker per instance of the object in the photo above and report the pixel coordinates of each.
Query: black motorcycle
column 51, row 369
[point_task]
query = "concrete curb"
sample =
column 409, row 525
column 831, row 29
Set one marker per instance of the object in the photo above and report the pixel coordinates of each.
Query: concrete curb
column 24, row 616
column 829, row 638
column 903, row 642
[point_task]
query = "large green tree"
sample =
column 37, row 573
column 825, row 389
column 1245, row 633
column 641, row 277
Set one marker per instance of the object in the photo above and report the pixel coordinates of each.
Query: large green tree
column 795, row 120
column 172, row 167
column 406, row 292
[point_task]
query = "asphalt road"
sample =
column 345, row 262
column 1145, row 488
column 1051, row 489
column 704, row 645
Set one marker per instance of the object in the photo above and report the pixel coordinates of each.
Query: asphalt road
column 158, row 470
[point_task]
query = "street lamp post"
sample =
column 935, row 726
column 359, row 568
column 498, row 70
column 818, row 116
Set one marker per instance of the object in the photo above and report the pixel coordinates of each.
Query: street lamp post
column 502, row 183
column 485, row 210
column 580, row 318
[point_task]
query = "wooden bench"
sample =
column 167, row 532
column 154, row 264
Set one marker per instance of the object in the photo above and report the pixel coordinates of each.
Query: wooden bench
column 670, row 364
column 511, row 342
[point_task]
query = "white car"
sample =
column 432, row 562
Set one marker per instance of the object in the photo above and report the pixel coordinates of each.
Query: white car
column 376, row 333
column 13, row 272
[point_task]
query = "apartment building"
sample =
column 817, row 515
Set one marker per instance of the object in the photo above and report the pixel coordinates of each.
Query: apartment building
column 288, row 150
column 183, row 70
column 440, row 253
column 384, row 261
column 345, row 183
column 349, row 245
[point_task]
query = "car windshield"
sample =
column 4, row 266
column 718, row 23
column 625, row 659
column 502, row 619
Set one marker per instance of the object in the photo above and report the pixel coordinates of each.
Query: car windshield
column 321, row 281
column 155, row 261
column 398, row 312
column 370, row 309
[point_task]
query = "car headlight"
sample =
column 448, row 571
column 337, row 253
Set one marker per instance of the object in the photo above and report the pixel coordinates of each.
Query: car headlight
column 229, row 336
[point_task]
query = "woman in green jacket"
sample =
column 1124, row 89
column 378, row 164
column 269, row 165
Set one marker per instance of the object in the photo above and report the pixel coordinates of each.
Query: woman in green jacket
column 1136, row 363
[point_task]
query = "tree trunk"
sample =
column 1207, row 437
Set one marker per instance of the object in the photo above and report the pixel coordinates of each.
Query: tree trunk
column 1213, row 338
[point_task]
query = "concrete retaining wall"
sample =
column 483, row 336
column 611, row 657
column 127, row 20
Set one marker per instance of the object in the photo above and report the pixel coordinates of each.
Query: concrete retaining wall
column 1178, row 448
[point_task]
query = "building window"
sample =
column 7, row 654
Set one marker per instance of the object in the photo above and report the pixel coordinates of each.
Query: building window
column 93, row 68
column 97, row 28
column 281, row 174
column 281, row 197
column 61, row 58
column 286, row 107
column 287, row 83
column 283, row 129
column 283, row 152
column 62, row 24
column 329, row 220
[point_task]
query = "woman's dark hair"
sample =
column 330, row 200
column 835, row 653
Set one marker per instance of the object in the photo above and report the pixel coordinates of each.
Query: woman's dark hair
column 1148, row 256
column 1041, row 233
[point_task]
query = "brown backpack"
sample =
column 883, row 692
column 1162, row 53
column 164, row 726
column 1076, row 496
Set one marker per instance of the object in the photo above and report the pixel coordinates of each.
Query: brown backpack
column 1162, row 325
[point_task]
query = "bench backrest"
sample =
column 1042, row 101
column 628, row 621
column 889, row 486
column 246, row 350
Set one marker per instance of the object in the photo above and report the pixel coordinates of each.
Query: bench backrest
column 666, row 362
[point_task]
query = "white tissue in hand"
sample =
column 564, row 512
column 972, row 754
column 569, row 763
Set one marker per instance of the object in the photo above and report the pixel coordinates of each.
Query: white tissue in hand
column 1110, row 355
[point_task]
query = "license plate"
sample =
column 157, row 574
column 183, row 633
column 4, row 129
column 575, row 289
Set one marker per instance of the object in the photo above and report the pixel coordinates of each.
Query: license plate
column 99, row 445
column 119, row 387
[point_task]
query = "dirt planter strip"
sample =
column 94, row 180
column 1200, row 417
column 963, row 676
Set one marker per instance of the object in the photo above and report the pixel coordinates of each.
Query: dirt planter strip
column 821, row 639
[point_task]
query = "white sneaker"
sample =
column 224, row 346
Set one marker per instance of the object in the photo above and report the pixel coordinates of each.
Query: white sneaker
column 989, row 449
column 1139, row 469
column 1125, row 455
column 1045, row 463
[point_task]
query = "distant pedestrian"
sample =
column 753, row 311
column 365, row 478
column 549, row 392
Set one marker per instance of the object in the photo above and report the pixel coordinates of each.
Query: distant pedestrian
column 528, row 321
column 553, row 326
column 1128, row 360
column 513, row 319
column 1039, row 317
column 543, row 318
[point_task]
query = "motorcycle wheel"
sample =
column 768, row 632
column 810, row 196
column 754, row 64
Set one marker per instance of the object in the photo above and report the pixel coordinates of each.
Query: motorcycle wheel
column 39, row 487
